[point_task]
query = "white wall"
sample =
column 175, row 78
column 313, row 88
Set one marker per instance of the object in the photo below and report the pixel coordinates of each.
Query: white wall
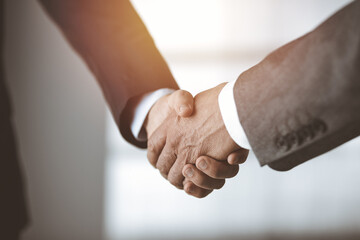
column 207, row 42
column 60, row 122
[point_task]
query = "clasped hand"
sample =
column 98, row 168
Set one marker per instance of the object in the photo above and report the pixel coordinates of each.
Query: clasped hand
column 189, row 144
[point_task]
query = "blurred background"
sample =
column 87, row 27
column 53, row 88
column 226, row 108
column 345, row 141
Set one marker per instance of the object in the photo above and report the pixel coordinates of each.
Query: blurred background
column 85, row 182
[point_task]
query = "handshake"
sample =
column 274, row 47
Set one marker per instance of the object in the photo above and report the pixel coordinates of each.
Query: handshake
column 300, row 101
column 189, row 144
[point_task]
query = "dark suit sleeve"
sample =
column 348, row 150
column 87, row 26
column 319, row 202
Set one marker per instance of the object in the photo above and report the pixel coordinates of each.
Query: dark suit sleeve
column 304, row 98
column 116, row 46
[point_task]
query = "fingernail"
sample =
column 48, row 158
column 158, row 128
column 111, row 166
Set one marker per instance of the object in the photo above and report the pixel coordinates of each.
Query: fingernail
column 189, row 172
column 202, row 164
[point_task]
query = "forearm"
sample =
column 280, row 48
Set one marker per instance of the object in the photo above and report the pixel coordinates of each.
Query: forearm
column 116, row 46
column 301, row 100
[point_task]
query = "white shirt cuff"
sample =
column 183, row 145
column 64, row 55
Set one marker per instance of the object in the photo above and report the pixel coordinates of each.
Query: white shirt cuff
column 142, row 110
column 230, row 116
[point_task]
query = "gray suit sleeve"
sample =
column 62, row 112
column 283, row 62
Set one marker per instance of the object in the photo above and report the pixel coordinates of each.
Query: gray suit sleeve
column 304, row 98
column 117, row 48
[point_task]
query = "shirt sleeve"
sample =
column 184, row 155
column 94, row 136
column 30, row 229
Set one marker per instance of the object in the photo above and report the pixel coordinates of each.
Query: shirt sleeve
column 142, row 109
column 230, row 117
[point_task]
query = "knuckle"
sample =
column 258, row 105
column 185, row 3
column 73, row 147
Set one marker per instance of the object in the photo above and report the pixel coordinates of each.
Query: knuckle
column 216, row 173
column 151, row 147
column 164, row 175
column 233, row 171
column 151, row 158
column 178, row 184
column 202, row 194
column 163, row 170
column 152, row 161
column 173, row 142
column 199, row 195
column 168, row 158
column 191, row 153
column 236, row 170
column 187, row 188
column 202, row 181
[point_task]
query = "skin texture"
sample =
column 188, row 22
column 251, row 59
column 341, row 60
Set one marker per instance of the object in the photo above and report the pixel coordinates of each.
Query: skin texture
column 209, row 174
column 179, row 103
column 197, row 147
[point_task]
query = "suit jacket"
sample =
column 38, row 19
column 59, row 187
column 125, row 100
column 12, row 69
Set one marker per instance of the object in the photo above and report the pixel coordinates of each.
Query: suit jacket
column 117, row 48
column 13, row 213
column 304, row 98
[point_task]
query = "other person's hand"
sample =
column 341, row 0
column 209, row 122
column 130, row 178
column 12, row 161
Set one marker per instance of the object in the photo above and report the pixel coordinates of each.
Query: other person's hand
column 208, row 174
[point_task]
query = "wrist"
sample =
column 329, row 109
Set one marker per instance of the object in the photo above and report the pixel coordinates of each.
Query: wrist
column 142, row 111
column 156, row 115
column 229, row 114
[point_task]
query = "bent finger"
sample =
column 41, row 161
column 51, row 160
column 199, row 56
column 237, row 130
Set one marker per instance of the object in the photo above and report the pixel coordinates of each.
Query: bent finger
column 200, row 179
column 238, row 157
column 175, row 176
column 193, row 190
column 155, row 146
column 166, row 161
column 216, row 169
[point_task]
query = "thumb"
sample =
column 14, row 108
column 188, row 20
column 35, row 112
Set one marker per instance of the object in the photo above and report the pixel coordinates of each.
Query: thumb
column 182, row 102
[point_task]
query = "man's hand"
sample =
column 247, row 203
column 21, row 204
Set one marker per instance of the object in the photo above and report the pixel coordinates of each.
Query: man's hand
column 209, row 174
column 179, row 102
column 178, row 141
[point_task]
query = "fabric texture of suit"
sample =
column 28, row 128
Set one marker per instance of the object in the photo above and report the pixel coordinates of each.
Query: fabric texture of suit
column 304, row 98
